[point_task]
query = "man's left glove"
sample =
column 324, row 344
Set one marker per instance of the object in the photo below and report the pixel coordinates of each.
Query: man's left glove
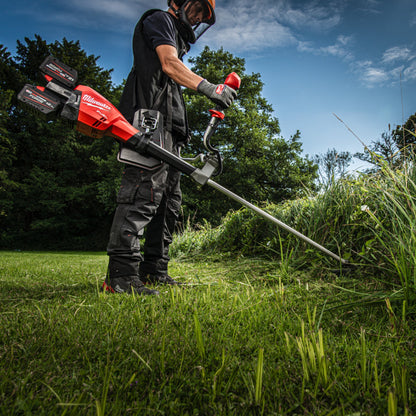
column 220, row 94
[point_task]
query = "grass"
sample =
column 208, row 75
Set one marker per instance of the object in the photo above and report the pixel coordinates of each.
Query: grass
column 250, row 337
column 369, row 220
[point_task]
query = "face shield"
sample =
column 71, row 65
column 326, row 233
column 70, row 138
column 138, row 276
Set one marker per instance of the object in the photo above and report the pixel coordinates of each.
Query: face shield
column 199, row 16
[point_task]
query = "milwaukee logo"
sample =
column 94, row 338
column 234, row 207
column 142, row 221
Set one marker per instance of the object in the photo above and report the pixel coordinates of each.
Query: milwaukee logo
column 220, row 89
column 92, row 101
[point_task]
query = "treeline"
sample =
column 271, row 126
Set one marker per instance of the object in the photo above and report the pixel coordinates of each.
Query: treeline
column 53, row 179
column 58, row 187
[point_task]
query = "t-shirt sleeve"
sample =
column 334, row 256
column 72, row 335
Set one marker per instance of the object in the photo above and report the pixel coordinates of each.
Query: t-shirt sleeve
column 159, row 29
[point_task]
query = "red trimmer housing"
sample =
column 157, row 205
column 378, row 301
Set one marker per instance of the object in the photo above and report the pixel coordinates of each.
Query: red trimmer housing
column 96, row 117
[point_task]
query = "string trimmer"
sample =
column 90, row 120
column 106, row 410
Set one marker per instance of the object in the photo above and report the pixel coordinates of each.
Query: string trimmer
column 96, row 117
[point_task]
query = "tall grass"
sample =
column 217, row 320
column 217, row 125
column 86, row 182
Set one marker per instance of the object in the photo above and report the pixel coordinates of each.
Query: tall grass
column 368, row 219
column 393, row 222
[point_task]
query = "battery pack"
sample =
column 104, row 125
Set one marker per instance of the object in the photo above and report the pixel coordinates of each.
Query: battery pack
column 60, row 72
column 39, row 98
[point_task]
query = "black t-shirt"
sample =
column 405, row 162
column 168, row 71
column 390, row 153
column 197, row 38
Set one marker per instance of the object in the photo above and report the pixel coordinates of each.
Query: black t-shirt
column 159, row 30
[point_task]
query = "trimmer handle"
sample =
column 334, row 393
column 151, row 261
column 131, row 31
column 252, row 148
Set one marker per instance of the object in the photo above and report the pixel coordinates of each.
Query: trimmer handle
column 233, row 81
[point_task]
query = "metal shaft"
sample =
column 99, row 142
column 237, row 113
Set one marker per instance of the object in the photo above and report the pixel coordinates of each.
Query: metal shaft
column 274, row 220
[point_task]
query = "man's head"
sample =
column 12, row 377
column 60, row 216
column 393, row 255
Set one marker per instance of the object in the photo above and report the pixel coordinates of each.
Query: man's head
column 196, row 15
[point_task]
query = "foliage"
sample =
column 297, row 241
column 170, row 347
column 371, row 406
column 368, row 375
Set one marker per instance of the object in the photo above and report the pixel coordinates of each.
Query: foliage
column 53, row 196
column 332, row 165
column 7, row 146
column 395, row 147
column 259, row 164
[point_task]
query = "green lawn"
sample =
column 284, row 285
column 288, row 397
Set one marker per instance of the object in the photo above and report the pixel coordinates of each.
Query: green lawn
column 247, row 337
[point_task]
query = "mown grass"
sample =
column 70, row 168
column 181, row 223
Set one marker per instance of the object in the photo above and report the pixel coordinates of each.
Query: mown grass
column 251, row 336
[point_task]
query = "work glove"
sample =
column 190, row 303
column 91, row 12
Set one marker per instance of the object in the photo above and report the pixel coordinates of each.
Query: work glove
column 220, row 94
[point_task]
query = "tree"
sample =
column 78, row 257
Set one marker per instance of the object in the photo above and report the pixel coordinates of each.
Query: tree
column 332, row 165
column 7, row 145
column 55, row 202
column 259, row 164
column 404, row 137
column 395, row 147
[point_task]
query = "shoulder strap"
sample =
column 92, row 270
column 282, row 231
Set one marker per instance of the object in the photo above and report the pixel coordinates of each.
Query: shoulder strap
column 166, row 91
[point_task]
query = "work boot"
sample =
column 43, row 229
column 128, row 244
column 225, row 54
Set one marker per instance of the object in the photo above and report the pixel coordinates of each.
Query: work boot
column 158, row 279
column 127, row 284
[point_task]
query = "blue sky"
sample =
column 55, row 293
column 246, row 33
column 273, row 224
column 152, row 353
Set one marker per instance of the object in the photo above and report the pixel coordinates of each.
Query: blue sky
column 354, row 58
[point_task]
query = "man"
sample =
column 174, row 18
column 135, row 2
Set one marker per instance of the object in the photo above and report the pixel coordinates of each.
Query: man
column 150, row 199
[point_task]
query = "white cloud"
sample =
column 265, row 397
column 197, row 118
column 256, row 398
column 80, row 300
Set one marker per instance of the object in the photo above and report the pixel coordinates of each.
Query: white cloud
column 244, row 25
column 409, row 73
column 384, row 72
column 370, row 6
column 116, row 11
column 99, row 8
column 339, row 49
column 111, row 16
column 310, row 15
column 371, row 76
column 397, row 53
column 250, row 37
column 253, row 26
column 396, row 73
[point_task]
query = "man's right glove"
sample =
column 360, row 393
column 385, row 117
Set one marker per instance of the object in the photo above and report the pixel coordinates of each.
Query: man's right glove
column 220, row 94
